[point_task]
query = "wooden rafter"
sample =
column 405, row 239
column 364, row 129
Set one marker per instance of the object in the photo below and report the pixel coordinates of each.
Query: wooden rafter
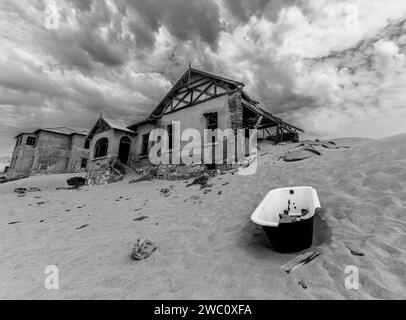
column 204, row 91
column 180, row 100
column 190, row 86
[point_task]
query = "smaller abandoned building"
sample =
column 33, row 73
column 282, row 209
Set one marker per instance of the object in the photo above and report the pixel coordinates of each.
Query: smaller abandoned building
column 110, row 139
column 50, row 150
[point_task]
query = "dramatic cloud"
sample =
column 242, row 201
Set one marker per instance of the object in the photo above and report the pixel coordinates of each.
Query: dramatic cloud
column 334, row 68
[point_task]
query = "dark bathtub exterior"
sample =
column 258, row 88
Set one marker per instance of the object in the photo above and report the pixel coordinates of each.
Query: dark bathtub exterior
column 292, row 236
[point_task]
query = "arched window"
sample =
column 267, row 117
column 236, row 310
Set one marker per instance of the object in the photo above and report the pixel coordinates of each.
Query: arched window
column 100, row 148
column 125, row 140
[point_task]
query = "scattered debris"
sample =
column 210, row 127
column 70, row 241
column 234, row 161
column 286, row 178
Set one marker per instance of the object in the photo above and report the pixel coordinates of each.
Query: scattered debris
column 40, row 203
column 286, row 218
column 14, row 222
column 106, row 173
column 355, row 253
column 81, row 227
column 206, row 191
column 34, row 189
column 300, row 260
column 165, row 192
column 303, row 284
column 202, row 181
column 143, row 248
column 68, row 188
column 140, row 218
column 20, row 190
column 76, row 181
column 300, row 154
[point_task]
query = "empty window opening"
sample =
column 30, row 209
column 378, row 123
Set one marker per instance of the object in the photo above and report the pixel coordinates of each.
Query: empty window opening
column 144, row 147
column 83, row 163
column 87, row 144
column 31, row 141
column 170, row 136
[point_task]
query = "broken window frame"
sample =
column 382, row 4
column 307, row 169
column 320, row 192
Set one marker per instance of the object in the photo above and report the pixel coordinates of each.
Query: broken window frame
column 211, row 120
column 101, row 148
column 31, row 141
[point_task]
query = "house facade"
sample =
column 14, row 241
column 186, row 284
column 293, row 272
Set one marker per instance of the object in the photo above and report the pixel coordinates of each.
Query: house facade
column 108, row 140
column 50, row 150
column 198, row 100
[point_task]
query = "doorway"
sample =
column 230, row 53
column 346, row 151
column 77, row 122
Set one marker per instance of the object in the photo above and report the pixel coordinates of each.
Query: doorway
column 212, row 124
column 124, row 150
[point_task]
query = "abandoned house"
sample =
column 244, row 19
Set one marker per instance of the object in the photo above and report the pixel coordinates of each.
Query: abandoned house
column 51, row 150
column 198, row 100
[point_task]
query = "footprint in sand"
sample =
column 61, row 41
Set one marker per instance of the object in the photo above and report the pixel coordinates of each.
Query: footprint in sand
column 140, row 218
column 14, row 222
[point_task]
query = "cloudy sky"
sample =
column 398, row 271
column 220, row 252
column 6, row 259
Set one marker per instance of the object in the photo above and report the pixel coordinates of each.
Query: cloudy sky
column 333, row 67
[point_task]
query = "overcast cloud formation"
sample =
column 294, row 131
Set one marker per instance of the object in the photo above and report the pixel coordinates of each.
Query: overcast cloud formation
column 333, row 67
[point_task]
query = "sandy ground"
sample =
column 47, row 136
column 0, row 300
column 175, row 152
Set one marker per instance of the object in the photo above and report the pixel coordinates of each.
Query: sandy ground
column 207, row 246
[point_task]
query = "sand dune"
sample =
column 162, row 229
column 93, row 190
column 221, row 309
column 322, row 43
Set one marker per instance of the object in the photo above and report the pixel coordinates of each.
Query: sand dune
column 207, row 246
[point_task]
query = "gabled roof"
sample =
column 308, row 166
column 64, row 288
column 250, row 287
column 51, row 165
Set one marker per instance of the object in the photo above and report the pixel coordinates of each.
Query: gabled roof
column 112, row 124
column 61, row 130
column 191, row 75
column 140, row 123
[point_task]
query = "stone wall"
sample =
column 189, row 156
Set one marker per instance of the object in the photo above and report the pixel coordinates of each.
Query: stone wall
column 103, row 173
column 52, row 152
column 23, row 156
column 236, row 109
